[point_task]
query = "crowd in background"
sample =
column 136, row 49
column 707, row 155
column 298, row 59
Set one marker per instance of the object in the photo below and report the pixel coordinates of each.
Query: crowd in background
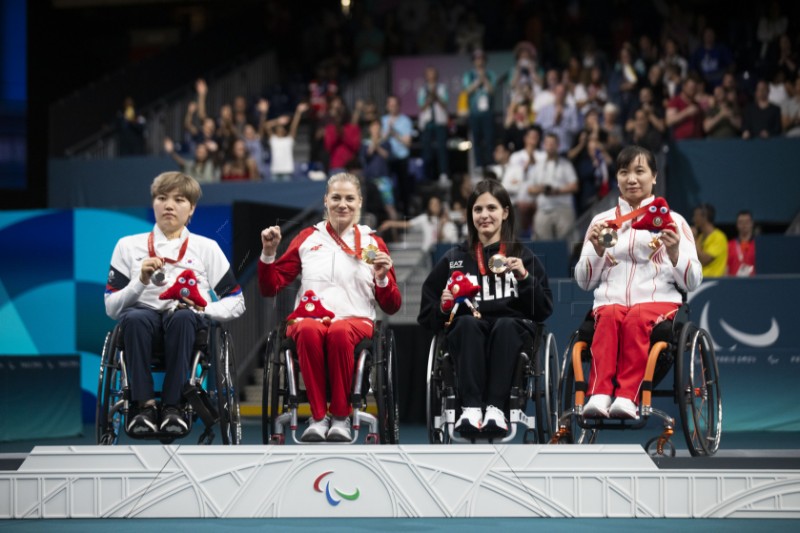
column 586, row 81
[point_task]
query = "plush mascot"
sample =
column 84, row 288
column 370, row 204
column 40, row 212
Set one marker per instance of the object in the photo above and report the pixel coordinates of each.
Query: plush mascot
column 463, row 292
column 310, row 306
column 184, row 287
column 656, row 216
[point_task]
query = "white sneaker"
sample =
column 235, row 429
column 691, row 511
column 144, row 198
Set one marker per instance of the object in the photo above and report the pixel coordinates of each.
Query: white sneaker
column 316, row 430
column 471, row 419
column 597, row 406
column 494, row 419
column 623, row 408
column 340, row 430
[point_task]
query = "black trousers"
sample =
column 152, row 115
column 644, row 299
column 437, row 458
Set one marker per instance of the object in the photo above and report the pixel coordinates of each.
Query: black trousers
column 141, row 325
column 485, row 354
column 405, row 183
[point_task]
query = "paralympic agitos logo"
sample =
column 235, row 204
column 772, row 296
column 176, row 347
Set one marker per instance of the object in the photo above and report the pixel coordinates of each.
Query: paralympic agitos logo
column 329, row 495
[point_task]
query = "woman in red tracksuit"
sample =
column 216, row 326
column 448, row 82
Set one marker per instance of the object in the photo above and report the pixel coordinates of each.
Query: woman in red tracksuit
column 349, row 268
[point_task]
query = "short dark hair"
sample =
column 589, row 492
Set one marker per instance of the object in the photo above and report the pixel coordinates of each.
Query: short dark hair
column 630, row 153
column 745, row 212
column 708, row 211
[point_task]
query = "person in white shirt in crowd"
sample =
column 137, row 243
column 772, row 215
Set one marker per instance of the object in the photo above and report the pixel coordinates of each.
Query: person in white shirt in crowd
column 281, row 140
column 433, row 117
column 553, row 184
column 526, row 160
column 434, row 223
column 790, row 110
column 560, row 118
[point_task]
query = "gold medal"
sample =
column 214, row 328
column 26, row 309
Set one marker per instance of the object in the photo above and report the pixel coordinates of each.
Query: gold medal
column 369, row 253
column 608, row 237
column 655, row 243
column 497, row 263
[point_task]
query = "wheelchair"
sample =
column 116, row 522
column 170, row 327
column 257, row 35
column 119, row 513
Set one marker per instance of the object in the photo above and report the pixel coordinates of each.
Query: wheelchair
column 677, row 345
column 531, row 403
column 210, row 392
column 374, row 374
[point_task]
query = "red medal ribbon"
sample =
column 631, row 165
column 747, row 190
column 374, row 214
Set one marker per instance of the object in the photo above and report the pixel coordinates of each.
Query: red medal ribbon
column 151, row 249
column 621, row 219
column 342, row 244
column 479, row 256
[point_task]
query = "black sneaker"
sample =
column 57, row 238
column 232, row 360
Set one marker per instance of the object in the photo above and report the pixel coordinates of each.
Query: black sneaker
column 172, row 420
column 145, row 421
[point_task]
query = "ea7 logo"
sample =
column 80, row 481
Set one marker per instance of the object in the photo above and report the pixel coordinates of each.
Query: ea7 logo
column 456, row 264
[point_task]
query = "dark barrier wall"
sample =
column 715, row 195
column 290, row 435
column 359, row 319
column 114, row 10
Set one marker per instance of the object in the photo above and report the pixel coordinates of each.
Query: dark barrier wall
column 51, row 303
column 759, row 175
column 125, row 182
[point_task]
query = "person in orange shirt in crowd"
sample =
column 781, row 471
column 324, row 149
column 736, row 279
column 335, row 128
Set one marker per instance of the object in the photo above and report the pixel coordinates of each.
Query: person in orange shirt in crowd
column 742, row 249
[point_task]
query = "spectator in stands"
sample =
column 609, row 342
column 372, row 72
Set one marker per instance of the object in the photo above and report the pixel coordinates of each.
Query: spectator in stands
column 342, row 137
column 397, row 128
column 652, row 109
column 684, row 116
column 226, row 133
column 672, row 83
column 240, row 114
column 596, row 91
column 711, row 59
column 593, row 166
column 573, row 77
column 194, row 119
column 479, row 83
column 553, row 184
column 202, row 168
column 787, row 61
column 432, row 99
column 526, row 159
column 672, row 56
column 240, row 166
column 742, row 249
column 790, row 112
column 635, row 286
column 368, row 44
column 364, row 114
column 281, row 143
column 723, row 120
column 771, row 25
column 560, row 118
column 130, row 130
column 374, row 158
column 614, row 130
column 624, row 81
column 655, row 84
column 642, row 132
column 526, row 74
column 545, row 96
column 516, row 124
column 434, row 223
column 710, row 242
column 761, row 119
column 132, row 297
column 349, row 269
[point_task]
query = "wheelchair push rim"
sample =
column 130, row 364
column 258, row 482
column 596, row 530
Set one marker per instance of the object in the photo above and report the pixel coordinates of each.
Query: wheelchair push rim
column 386, row 393
column 108, row 420
column 230, row 423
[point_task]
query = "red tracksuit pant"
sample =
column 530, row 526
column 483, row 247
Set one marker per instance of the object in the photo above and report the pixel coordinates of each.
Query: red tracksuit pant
column 621, row 345
column 323, row 348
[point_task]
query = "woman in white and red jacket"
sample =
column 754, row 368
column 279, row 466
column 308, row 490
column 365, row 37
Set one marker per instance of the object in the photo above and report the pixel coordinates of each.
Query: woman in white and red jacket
column 636, row 284
column 349, row 268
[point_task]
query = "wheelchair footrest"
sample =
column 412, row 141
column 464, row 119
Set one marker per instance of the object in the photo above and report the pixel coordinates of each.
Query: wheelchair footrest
column 201, row 403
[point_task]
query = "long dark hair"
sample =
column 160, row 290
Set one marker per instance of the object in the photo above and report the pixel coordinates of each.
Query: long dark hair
column 508, row 229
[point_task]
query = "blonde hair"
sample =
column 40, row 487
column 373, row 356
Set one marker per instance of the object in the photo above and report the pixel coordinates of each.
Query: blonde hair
column 348, row 178
column 176, row 181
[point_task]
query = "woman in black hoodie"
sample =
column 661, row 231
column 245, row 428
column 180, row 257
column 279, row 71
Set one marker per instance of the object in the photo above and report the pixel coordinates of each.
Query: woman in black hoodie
column 486, row 349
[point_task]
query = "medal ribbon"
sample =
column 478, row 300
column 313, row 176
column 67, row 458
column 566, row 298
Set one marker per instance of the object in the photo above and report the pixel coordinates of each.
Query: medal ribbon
column 342, row 244
column 479, row 256
column 621, row 219
column 151, row 249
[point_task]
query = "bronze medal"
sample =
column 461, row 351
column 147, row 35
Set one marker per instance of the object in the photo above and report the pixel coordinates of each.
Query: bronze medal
column 497, row 263
column 608, row 238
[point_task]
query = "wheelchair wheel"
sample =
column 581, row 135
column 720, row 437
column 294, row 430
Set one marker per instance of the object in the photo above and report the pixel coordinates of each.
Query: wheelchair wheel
column 698, row 390
column 230, row 423
column 545, row 394
column 271, row 396
column 386, row 397
column 434, row 400
column 108, row 421
column 566, row 394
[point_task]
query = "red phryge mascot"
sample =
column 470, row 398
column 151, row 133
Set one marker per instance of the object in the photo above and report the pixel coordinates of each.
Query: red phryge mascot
column 310, row 306
column 184, row 287
column 656, row 217
column 463, row 292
